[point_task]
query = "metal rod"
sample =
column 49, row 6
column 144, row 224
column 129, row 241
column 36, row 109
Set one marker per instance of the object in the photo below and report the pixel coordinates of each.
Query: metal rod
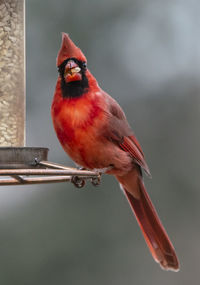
column 35, row 180
column 9, row 172
column 18, row 178
column 54, row 165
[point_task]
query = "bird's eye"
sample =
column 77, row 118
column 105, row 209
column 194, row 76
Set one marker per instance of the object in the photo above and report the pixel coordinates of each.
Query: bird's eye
column 84, row 64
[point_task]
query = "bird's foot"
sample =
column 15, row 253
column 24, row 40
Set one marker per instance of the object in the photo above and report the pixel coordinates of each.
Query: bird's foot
column 96, row 181
column 78, row 182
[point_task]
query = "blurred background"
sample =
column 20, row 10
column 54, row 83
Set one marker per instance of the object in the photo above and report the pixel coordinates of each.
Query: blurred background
column 146, row 54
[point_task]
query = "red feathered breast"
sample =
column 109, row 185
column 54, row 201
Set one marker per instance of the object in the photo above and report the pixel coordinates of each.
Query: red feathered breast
column 76, row 121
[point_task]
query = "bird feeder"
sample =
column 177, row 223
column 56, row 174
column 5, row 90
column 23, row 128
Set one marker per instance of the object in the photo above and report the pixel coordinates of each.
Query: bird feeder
column 21, row 165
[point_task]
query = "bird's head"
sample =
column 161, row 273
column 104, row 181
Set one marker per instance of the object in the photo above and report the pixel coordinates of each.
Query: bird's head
column 71, row 62
column 72, row 67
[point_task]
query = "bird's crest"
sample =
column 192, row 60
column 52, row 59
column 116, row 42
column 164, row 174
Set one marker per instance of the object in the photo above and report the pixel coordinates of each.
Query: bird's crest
column 69, row 50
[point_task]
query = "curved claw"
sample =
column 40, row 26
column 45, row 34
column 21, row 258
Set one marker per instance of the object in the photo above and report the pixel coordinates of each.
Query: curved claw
column 96, row 180
column 78, row 182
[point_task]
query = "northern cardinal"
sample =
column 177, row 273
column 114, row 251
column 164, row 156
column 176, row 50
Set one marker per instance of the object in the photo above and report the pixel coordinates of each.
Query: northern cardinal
column 93, row 130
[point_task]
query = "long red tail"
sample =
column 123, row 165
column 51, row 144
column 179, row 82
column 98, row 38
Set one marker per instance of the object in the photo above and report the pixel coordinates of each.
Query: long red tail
column 154, row 233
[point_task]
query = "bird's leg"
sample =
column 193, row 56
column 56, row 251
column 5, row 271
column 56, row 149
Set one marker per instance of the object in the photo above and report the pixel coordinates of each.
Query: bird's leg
column 97, row 180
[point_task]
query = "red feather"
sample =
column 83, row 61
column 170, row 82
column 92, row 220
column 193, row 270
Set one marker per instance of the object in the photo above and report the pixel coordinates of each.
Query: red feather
column 154, row 233
column 131, row 145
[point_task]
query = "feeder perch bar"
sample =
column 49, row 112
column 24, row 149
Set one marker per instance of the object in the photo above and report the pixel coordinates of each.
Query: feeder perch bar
column 29, row 165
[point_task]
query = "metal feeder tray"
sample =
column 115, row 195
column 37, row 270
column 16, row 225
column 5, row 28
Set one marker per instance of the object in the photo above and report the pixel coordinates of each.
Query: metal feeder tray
column 30, row 165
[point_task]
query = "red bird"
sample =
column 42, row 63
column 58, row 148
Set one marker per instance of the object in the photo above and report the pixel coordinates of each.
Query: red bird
column 93, row 129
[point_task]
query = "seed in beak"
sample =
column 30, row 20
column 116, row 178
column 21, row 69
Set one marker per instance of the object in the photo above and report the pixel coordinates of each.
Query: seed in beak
column 75, row 70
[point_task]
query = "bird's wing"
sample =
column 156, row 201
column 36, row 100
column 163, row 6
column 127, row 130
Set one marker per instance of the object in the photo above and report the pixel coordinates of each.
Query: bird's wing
column 119, row 131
